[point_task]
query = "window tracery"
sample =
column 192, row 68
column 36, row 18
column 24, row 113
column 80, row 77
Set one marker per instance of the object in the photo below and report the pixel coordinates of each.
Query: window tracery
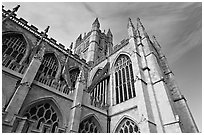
column 90, row 125
column 127, row 126
column 99, row 94
column 48, row 69
column 43, row 113
column 13, row 50
column 124, row 79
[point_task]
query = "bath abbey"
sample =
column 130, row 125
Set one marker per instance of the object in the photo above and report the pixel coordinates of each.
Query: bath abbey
column 93, row 86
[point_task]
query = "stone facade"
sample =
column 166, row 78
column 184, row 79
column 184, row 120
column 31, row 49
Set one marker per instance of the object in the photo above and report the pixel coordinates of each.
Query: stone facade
column 94, row 86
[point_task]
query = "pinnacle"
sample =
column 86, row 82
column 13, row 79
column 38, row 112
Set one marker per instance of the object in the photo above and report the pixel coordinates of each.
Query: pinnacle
column 96, row 23
column 109, row 32
column 130, row 24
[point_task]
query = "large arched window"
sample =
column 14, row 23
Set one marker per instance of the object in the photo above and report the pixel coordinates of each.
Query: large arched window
column 73, row 75
column 43, row 113
column 13, row 50
column 89, row 125
column 124, row 79
column 127, row 126
column 48, row 69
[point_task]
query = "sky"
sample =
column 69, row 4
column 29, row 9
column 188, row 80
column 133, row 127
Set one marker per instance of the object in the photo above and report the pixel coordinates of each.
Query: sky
column 177, row 27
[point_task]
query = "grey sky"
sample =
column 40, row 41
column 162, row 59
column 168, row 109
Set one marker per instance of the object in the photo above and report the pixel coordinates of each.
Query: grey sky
column 177, row 27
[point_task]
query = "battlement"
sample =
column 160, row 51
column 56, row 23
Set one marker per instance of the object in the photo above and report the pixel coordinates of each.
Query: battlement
column 34, row 30
column 80, row 40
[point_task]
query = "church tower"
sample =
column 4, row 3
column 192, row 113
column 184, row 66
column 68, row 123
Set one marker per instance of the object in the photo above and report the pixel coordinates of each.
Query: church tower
column 93, row 42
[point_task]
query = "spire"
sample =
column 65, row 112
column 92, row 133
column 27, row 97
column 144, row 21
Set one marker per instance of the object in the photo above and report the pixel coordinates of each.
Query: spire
column 96, row 23
column 130, row 24
column 109, row 33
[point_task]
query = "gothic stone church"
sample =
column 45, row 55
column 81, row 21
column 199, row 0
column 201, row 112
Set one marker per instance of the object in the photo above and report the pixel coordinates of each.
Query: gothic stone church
column 94, row 86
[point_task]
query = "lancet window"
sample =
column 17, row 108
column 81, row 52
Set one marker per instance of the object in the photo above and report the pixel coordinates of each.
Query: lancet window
column 124, row 79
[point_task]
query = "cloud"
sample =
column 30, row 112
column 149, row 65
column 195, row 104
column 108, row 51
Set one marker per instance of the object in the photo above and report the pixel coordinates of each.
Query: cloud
column 177, row 26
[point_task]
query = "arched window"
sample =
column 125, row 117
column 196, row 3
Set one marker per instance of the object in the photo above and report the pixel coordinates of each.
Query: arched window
column 127, row 126
column 48, row 69
column 73, row 75
column 43, row 113
column 124, row 79
column 89, row 125
column 13, row 50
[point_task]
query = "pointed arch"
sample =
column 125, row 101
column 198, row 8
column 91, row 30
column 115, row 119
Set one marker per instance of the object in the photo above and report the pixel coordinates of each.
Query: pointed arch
column 126, row 125
column 123, row 79
column 44, row 111
column 15, row 48
column 58, row 61
column 48, row 69
column 118, row 55
column 90, row 124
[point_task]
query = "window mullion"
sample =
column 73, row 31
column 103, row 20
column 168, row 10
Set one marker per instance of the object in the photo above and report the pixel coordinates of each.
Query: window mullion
column 118, row 88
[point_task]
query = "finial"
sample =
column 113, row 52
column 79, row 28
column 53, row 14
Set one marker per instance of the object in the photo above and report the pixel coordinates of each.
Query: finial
column 130, row 24
column 46, row 30
column 11, row 13
column 16, row 8
column 138, row 21
column 109, row 32
column 71, row 46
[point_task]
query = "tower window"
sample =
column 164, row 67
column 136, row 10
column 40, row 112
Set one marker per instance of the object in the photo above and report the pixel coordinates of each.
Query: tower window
column 124, row 79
